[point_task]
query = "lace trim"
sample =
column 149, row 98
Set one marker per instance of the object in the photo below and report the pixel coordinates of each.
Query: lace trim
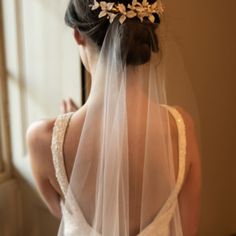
column 58, row 136
column 163, row 218
column 74, row 220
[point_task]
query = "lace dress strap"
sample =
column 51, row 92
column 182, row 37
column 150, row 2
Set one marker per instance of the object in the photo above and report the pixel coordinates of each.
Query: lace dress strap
column 58, row 135
column 74, row 220
column 162, row 220
column 182, row 145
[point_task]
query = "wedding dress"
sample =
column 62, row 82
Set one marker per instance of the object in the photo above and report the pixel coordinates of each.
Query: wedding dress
column 75, row 224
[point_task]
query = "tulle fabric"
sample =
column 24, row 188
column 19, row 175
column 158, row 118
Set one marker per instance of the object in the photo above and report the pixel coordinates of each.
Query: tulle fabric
column 125, row 167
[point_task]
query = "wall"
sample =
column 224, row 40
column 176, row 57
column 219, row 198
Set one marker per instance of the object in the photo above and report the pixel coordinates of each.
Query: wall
column 206, row 32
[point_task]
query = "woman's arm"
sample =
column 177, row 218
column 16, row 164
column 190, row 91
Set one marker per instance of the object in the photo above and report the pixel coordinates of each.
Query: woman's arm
column 39, row 142
column 189, row 198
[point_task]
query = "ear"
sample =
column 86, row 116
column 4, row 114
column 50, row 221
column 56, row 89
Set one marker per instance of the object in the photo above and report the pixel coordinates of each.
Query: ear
column 80, row 39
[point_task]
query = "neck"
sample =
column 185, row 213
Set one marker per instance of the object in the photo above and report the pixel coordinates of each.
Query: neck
column 137, row 84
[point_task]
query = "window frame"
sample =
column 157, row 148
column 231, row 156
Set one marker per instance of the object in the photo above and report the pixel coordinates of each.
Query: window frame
column 5, row 145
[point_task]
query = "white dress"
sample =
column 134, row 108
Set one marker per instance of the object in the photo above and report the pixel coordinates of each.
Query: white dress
column 75, row 224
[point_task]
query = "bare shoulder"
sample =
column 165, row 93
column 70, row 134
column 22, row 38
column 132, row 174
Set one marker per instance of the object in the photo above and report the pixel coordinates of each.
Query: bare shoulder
column 190, row 194
column 38, row 135
column 188, row 120
column 189, row 124
column 193, row 152
column 38, row 138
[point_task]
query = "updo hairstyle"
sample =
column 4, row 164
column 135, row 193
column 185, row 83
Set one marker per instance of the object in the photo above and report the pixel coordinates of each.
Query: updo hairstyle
column 138, row 39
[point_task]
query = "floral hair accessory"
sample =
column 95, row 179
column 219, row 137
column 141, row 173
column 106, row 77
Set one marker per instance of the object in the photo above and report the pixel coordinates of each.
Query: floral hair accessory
column 136, row 9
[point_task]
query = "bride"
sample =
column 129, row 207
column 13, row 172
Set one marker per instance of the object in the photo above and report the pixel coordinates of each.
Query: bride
column 127, row 162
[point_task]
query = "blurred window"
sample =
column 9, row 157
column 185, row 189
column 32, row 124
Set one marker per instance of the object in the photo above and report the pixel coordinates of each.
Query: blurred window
column 4, row 115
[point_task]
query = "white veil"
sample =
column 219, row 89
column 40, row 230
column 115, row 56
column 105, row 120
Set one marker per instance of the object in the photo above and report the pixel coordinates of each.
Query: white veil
column 126, row 164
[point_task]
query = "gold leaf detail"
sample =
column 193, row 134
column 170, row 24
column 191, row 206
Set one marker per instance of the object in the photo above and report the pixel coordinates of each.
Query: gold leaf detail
column 122, row 19
column 151, row 18
column 102, row 14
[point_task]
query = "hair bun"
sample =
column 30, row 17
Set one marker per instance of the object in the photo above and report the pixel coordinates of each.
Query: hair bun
column 138, row 40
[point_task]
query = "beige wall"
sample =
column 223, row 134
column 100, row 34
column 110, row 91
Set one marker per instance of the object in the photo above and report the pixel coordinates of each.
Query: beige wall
column 206, row 31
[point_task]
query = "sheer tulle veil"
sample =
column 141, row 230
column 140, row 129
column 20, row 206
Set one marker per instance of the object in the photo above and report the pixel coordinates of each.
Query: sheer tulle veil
column 125, row 167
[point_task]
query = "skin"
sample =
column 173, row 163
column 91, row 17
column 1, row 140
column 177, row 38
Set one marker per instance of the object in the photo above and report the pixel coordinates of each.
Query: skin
column 39, row 142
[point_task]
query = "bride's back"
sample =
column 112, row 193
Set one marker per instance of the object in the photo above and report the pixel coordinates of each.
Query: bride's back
column 137, row 131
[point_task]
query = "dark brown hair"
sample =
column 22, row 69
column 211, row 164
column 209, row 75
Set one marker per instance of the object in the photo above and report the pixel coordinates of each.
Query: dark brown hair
column 138, row 39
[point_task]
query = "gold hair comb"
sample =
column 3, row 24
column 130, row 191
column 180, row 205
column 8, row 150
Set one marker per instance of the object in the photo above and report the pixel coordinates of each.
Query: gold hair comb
column 136, row 9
